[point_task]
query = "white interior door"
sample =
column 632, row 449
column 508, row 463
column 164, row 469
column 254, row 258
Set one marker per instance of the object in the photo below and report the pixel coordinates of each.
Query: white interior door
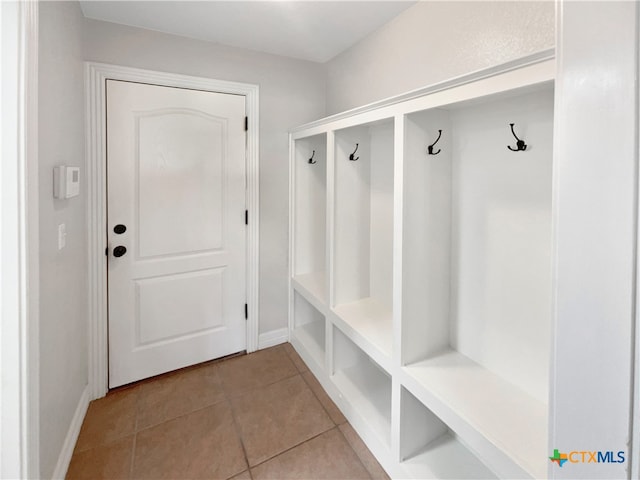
column 176, row 186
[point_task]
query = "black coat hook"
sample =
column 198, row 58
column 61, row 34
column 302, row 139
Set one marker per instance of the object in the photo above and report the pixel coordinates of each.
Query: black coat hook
column 311, row 161
column 430, row 147
column 351, row 157
column 520, row 145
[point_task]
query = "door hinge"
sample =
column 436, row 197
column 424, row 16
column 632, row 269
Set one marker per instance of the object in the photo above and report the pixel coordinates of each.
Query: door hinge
column 246, row 124
column 246, row 217
column 106, row 251
column 246, row 311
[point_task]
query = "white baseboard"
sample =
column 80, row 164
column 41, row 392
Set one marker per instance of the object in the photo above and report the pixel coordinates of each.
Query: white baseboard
column 72, row 436
column 275, row 337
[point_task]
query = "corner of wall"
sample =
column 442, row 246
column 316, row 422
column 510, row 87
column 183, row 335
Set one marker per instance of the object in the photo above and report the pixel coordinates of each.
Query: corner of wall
column 64, row 459
column 63, row 292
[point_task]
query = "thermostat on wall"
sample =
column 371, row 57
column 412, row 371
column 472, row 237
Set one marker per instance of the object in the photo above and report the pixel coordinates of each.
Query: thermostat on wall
column 66, row 181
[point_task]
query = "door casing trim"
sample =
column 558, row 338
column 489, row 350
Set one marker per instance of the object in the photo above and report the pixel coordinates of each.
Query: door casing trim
column 96, row 75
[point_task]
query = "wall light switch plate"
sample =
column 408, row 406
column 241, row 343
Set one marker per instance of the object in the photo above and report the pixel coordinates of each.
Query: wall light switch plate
column 62, row 236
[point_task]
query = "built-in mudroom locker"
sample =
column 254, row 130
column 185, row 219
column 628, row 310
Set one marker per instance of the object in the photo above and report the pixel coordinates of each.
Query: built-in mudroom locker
column 421, row 271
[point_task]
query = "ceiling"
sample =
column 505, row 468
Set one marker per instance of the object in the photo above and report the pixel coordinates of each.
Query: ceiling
column 308, row 30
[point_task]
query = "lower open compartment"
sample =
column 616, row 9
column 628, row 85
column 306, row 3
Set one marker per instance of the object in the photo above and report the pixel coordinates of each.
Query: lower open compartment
column 309, row 328
column 364, row 384
column 430, row 449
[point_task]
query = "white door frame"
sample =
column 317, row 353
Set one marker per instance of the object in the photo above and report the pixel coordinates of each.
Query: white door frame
column 19, row 242
column 96, row 75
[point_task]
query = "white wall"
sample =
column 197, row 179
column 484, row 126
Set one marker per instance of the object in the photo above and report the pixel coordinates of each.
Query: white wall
column 63, row 273
column 291, row 93
column 434, row 41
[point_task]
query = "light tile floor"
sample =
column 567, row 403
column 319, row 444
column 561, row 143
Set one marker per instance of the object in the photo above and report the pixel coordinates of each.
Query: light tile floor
column 257, row 416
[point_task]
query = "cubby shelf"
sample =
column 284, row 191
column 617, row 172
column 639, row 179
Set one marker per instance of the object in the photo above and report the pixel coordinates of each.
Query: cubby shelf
column 309, row 328
column 313, row 287
column 430, row 449
column 364, row 384
column 509, row 418
column 312, row 337
column 368, row 394
column 421, row 275
column 371, row 320
column 446, row 458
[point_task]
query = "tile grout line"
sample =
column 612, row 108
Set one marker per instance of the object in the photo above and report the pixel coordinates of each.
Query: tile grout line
column 318, row 398
column 227, row 396
column 135, row 433
column 224, row 399
column 296, row 446
column 148, row 427
column 320, row 401
column 236, row 427
column 312, row 391
column 280, row 347
column 298, row 374
column 337, row 425
column 354, row 451
column 133, row 455
column 291, row 357
column 263, row 386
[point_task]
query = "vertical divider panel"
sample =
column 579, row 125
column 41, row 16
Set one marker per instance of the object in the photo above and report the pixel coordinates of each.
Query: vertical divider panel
column 419, row 426
column 292, row 175
column 330, row 246
column 398, row 222
column 396, row 418
column 398, row 186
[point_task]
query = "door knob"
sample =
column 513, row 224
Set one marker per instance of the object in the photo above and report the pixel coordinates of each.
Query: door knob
column 119, row 251
column 120, row 229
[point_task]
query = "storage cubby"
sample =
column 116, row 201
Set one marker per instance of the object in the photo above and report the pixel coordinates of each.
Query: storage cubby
column 429, row 449
column 309, row 211
column 439, row 263
column 476, row 304
column 364, row 384
column 363, row 230
column 309, row 328
column 427, row 235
